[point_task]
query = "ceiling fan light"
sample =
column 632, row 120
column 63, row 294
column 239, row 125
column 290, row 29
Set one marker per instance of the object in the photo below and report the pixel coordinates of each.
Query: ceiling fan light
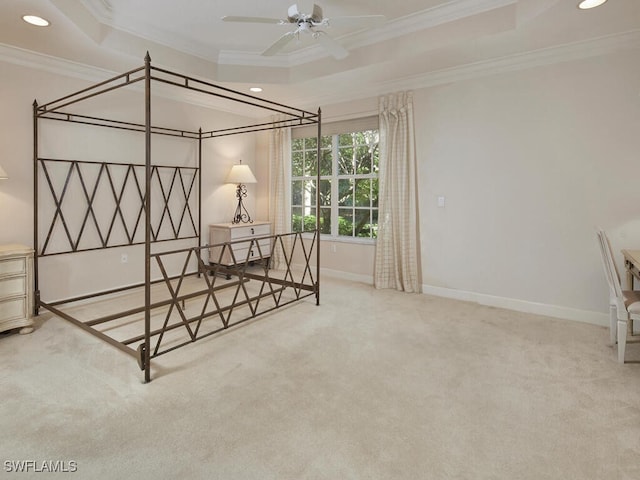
column 35, row 20
column 586, row 4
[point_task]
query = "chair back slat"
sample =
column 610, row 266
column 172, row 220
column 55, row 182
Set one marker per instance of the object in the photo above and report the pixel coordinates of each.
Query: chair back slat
column 614, row 274
column 605, row 263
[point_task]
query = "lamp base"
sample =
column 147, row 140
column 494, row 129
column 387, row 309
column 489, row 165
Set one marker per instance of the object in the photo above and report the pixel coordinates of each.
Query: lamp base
column 241, row 215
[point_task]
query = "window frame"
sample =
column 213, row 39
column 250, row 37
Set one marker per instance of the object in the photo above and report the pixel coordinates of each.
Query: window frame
column 335, row 130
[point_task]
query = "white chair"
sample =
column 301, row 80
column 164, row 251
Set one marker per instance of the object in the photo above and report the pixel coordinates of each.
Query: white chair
column 624, row 305
column 613, row 316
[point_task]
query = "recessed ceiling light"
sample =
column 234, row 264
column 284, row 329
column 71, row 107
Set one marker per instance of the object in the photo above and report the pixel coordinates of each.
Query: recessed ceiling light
column 586, row 4
column 255, row 89
column 35, row 20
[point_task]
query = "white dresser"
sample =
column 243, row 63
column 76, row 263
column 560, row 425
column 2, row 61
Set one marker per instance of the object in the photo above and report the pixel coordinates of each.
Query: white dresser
column 241, row 233
column 16, row 288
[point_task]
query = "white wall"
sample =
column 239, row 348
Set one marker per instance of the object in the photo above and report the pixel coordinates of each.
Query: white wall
column 62, row 276
column 530, row 162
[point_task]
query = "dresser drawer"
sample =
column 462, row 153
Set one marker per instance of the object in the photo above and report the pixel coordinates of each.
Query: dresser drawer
column 13, row 266
column 16, row 287
column 12, row 286
column 249, row 231
column 12, row 309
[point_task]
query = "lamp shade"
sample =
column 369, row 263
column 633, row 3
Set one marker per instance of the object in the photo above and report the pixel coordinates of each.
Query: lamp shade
column 241, row 174
column 3, row 174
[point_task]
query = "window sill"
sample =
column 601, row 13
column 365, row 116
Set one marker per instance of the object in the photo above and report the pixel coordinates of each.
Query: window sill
column 341, row 239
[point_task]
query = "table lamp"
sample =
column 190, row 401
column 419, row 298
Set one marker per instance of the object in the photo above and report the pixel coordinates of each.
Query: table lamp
column 240, row 175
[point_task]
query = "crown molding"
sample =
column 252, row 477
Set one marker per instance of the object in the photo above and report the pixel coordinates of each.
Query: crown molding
column 522, row 61
column 428, row 18
column 509, row 63
column 51, row 64
column 92, row 74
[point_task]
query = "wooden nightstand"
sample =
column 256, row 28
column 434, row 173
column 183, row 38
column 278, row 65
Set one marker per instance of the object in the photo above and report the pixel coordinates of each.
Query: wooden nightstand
column 16, row 288
column 241, row 233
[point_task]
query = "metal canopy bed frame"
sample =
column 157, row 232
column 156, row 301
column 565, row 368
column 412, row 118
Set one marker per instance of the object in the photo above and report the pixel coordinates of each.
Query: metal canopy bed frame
column 214, row 304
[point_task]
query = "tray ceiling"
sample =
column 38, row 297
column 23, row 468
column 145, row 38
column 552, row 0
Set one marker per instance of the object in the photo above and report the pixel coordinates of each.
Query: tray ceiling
column 422, row 42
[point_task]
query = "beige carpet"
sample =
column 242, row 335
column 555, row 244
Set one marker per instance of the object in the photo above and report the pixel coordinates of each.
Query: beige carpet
column 370, row 385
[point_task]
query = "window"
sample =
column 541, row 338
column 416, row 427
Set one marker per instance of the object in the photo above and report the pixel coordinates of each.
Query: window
column 348, row 180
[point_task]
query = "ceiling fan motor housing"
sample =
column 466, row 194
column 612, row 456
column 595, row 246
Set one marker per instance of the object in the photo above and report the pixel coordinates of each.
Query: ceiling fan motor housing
column 294, row 15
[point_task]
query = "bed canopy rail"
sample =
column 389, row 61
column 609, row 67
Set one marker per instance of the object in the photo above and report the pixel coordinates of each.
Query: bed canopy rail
column 129, row 203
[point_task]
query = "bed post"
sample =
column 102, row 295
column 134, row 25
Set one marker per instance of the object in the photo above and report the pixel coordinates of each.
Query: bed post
column 319, row 153
column 36, row 289
column 147, row 231
column 200, row 196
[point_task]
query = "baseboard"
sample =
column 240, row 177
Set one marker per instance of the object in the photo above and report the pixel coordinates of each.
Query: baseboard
column 556, row 311
column 354, row 277
column 585, row 316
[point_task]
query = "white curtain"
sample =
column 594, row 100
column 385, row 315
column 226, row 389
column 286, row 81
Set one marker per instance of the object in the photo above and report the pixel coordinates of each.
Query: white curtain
column 280, row 184
column 396, row 258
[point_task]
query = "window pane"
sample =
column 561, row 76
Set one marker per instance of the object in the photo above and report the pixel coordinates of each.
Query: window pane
column 345, row 161
column 326, row 141
column 363, row 160
column 371, row 137
column 325, row 220
column 311, row 163
column 297, row 144
column 363, row 223
column 345, row 192
column 374, row 192
column 374, row 223
column 325, row 193
column 345, row 140
column 310, row 143
column 309, row 193
column 296, row 192
column 296, row 164
column 309, row 222
column 296, row 219
column 326, row 163
column 345, row 222
column 363, row 193
column 375, row 158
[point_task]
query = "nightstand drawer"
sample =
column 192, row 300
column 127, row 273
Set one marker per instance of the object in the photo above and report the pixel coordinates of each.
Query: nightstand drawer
column 240, row 252
column 13, row 266
column 12, row 286
column 250, row 231
column 12, row 309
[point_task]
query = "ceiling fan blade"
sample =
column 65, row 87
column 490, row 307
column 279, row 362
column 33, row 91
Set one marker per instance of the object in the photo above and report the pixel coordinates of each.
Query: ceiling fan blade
column 231, row 18
column 279, row 44
column 333, row 47
column 355, row 21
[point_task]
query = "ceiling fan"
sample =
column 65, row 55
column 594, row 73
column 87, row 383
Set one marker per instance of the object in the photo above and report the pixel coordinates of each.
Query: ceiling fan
column 306, row 23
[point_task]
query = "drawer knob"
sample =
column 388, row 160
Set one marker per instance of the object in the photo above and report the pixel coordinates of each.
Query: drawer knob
column 252, row 231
